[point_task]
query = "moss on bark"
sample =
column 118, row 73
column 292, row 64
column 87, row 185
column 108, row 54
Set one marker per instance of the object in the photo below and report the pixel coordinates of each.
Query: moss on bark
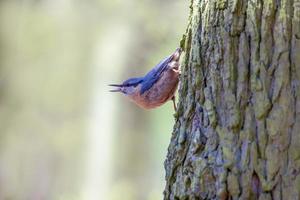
column 237, row 130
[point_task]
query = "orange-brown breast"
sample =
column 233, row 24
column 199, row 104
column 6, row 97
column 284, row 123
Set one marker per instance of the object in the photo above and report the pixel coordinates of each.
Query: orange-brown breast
column 162, row 91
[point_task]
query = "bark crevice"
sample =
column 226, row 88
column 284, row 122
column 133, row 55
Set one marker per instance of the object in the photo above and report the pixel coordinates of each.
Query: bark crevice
column 237, row 126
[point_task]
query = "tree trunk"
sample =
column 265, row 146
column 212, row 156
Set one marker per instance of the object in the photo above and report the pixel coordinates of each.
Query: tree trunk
column 237, row 130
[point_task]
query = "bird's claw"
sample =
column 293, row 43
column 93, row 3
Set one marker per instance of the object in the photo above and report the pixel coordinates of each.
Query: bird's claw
column 177, row 71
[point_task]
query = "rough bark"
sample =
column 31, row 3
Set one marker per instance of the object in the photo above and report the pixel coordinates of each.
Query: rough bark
column 237, row 130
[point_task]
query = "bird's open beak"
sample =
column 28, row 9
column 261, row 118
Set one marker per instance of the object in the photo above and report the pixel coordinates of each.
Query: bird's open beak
column 116, row 90
column 115, row 85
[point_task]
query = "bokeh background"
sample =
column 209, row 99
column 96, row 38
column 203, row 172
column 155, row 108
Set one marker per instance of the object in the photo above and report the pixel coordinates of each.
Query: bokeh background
column 63, row 136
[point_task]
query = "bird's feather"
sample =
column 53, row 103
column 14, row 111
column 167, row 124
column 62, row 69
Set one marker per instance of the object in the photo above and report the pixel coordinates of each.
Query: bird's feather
column 129, row 82
column 132, row 81
column 153, row 76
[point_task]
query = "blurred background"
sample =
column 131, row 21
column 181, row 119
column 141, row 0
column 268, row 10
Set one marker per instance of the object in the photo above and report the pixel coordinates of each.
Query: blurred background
column 62, row 134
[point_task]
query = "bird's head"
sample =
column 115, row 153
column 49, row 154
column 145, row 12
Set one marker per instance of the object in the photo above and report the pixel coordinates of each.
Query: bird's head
column 128, row 87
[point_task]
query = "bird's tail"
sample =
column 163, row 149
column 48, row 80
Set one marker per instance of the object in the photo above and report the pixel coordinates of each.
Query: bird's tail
column 176, row 54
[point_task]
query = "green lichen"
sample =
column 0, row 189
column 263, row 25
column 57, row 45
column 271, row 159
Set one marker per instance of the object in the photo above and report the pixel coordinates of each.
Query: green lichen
column 262, row 104
column 182, row 134
column 211, row 112
column 182, row 42
column 233, row 185
column 273, row 164
column 221, row 4
column 239, row 91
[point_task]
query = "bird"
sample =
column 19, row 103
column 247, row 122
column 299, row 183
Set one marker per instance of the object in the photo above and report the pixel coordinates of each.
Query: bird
column 155, row 88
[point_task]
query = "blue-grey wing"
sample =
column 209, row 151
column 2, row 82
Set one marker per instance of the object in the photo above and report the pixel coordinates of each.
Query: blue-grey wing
column 153, row 76
column 132, row 82
column 129, row 82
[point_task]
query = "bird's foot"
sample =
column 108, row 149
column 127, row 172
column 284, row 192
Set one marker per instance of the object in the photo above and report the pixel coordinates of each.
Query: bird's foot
column 174, row 103
column 177, row 71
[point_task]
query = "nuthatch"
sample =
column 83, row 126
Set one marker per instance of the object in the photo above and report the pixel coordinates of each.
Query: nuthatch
column 157, row 86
